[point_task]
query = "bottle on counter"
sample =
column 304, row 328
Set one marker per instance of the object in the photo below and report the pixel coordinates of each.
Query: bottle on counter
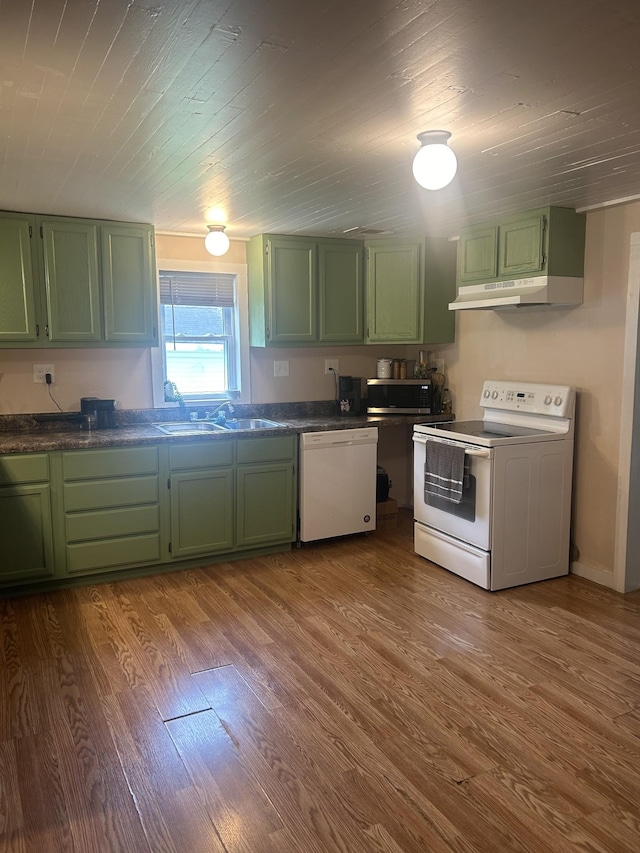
column 446, row 403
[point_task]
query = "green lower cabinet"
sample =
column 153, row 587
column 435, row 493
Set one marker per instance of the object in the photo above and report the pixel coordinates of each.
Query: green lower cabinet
column 111, row 509
column 26, row 549
column 264, row 504
column 201, row 512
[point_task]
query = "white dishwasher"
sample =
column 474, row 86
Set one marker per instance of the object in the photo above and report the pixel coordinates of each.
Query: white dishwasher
column 337, row 482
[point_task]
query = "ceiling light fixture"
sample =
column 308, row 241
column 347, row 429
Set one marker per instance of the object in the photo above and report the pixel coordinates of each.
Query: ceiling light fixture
column 216, row 242
column 435, row 164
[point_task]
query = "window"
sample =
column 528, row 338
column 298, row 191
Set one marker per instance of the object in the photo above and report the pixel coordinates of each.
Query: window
column 201, row 332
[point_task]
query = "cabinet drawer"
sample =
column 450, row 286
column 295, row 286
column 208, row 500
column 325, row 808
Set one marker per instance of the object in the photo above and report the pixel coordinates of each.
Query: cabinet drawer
column 110, row 493
column 111, row 462
column 200, row 454
column 30, row 468
column 83, row 526
column 266, row 449
column 112, row 553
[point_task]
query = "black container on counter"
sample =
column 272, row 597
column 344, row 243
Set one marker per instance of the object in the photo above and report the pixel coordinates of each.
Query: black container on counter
column 349, row 395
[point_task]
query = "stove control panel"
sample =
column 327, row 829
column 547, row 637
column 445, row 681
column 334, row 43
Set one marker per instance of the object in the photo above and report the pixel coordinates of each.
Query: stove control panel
column 537, row 399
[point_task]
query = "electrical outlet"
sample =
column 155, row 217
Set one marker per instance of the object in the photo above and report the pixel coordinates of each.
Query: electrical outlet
column 40, row 371
column 280, row 368
column 331, row 364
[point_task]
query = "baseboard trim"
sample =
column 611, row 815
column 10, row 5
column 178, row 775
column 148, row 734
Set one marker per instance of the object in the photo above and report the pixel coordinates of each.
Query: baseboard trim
column 590, row 573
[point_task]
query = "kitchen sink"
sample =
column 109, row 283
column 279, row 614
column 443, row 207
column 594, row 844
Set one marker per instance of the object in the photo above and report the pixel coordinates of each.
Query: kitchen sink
column 195, row 427
column 250, row 423
column 189, row 427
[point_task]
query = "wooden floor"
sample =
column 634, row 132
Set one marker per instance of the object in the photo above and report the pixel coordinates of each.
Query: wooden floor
column 347, row 696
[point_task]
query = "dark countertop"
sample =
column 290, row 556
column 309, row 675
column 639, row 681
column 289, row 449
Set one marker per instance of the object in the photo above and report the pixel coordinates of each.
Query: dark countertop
column 42, row 440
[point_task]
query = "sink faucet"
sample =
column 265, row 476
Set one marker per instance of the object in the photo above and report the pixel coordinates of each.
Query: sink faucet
column 218, row 414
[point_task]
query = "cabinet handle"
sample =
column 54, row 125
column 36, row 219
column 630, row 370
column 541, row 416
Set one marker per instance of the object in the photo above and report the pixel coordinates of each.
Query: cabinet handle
column 37, row 330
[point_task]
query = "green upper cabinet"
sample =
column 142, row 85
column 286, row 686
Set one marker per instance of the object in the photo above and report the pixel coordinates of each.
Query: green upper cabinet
column 478, row 255
column 394, row 292
column 293, row 291
column 128, row 275
column 341, row 292
column 71, row 280
column 74, row 282
column 304, row 291
column 17, row 279
column 409, row 286
column 548, row 241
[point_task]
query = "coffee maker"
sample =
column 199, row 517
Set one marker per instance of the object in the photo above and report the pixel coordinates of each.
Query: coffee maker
column 97, row 413
column 349, row 395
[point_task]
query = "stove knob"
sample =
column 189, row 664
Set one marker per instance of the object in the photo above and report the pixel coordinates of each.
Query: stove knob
column 494, row 395
column 558, row 401
column 547, row 400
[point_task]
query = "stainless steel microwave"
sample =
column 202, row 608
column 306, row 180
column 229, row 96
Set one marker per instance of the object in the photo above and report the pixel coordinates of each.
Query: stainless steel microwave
column 401, row 397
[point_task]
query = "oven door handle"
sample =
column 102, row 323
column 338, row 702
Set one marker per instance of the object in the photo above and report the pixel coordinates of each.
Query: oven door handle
column 468, row 451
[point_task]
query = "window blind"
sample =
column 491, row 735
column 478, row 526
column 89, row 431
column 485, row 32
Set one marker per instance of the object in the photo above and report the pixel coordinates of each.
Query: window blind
column 197, row 288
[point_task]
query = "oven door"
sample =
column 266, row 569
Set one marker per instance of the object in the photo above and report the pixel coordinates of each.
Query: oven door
column 470, row 520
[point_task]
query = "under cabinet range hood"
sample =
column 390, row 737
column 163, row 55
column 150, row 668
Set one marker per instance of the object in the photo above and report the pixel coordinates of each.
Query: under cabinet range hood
column 520, row 293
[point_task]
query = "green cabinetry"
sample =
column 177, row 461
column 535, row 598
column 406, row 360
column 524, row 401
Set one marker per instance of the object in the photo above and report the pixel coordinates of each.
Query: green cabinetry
column 409, row 286
column 72, row 288
column 80, row 513
column 548, row 241
column 71, row 282
column 309, row 292
column 230, row 495
column 265, row 501
column 304, row 291
column 111, row 508
column 26, row 539
column 17, row 279
column 129, row 287
column 202, row 498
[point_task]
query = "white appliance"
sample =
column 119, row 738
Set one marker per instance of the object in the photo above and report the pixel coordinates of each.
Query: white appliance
column 518, row 293
column 337, row 482
column 512, row 525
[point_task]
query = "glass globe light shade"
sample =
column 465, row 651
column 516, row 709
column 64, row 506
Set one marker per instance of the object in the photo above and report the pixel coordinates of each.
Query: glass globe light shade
column 216, row 242
column 435, row 164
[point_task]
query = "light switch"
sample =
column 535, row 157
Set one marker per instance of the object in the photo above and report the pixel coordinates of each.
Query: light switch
column 280, row 368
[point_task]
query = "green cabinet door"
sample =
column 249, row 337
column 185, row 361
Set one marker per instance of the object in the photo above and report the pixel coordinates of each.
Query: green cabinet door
column 201, row 512
column 72, row 280
column 521, row 247
column 128, row 278
column 477, row 255
column 25, row 534
column 17, row 283
column 264, row 504
column 341, row 291
column 394, row 292
column 292, row 283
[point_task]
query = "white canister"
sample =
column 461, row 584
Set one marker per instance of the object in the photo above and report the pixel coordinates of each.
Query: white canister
column 384, row 369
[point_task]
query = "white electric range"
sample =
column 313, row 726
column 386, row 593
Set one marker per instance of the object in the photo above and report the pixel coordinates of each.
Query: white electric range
column 512, row 524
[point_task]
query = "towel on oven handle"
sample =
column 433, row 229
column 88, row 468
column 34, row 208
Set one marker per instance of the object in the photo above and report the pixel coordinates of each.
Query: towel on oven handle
column 444, row 471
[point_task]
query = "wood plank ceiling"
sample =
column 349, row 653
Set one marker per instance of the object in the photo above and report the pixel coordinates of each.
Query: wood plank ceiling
column 301, row 117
